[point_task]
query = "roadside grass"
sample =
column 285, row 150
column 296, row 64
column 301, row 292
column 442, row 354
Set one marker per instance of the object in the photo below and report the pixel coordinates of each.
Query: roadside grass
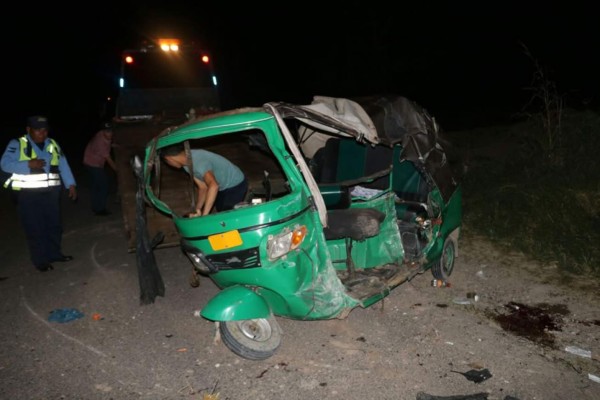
column 521, row 196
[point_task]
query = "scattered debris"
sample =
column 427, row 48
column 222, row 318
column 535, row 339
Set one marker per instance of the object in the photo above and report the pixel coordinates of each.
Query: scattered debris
column 461, row 300
column 283, row 365
column 475, row 375
column 594, row 378
column 97, row 317
column 472, row 295
column 440, row 283
column 212, row 395
column 206, row 396
column 578, row 351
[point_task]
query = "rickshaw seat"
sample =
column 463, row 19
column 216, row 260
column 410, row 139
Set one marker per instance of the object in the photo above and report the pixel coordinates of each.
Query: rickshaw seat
column 353, row 223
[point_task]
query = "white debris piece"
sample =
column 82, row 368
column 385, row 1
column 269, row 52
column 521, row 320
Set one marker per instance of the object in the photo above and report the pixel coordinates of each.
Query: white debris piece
column 578, row 351
column 594, row 378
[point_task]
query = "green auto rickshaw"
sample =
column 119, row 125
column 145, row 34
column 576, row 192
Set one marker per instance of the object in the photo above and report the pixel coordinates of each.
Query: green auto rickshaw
column 347, row 199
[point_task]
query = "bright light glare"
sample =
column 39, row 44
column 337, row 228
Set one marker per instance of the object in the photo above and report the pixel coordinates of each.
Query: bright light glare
column 214, row 79
column 169, row 44
column 128, row 59
column 169, row 47
column 205, row 59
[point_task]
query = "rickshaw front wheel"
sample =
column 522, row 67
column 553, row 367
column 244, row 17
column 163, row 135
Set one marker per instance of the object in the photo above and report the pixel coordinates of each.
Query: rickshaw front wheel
column 252, row 339
column 444, row 266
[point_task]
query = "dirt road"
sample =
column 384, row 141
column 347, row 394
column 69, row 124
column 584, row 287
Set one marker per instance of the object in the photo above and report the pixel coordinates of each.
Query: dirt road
column 417, row 341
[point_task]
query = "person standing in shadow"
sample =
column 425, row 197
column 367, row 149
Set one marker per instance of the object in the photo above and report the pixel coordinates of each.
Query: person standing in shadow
column 95, row 157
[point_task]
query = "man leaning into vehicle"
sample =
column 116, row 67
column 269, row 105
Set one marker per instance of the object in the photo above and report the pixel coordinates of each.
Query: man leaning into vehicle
column 221, row 184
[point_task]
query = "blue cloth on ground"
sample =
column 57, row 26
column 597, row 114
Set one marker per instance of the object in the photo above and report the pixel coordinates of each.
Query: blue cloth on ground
column 64, row 315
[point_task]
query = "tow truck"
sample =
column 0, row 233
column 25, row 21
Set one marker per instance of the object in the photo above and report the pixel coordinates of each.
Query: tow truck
column 163, row 83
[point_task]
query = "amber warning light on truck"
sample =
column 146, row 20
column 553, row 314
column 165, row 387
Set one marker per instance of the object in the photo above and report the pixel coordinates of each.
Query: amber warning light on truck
column 168, row 44
column 166, row 64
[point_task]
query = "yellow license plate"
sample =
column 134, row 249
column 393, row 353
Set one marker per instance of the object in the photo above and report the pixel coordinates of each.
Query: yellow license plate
column 225, row 240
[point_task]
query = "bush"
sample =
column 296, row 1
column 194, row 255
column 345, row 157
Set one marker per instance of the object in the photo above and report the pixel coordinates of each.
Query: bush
column 515, row 197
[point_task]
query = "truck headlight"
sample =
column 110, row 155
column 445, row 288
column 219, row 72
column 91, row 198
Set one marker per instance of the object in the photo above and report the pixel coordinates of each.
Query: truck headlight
column 281, row 244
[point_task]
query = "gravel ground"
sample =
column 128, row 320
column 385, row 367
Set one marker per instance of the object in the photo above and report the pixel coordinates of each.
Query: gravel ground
column 417, row 341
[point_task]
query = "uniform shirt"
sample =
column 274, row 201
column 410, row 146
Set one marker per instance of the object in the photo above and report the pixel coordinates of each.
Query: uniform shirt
column 96, row 151
column 226, row 173
column 10, row 161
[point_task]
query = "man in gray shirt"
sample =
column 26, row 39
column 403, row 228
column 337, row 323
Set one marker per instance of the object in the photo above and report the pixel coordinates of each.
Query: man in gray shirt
column 221, row 184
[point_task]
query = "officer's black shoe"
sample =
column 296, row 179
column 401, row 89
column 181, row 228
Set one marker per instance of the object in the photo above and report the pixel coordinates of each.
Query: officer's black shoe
column 44, row 267
column 63, row 258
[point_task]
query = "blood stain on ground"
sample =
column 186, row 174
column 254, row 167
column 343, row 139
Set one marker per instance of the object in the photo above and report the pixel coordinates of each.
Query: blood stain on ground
column 533, row 322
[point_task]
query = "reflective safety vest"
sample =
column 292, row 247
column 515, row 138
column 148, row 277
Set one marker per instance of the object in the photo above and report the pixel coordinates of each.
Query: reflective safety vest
column 37, row 178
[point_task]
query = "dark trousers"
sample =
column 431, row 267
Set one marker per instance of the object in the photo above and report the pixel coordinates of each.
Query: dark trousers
column 228, row 198
column 39, row 212
column 99, row 189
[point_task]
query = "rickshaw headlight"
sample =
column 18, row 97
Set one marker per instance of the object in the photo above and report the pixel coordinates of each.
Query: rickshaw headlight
column 280, row 245
column 197, row 258
column 199, row 263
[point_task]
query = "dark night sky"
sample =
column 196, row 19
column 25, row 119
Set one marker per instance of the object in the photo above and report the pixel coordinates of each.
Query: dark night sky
column 466, row 65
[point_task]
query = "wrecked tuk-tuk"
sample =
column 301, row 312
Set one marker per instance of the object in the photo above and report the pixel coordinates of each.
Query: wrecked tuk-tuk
column 347, row 200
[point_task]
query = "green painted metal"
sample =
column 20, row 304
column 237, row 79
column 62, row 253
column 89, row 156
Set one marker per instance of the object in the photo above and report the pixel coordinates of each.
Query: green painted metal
column 236, row 303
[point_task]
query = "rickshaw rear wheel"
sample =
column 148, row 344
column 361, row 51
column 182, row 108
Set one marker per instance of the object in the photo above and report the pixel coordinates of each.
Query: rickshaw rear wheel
column 442, row 268
column 252, row 339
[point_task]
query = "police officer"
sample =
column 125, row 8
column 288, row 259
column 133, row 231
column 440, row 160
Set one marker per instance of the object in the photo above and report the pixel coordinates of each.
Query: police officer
column 38, row 168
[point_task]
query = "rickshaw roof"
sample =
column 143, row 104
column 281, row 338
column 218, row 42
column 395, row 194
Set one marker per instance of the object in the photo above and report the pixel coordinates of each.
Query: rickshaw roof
column 387, row 120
